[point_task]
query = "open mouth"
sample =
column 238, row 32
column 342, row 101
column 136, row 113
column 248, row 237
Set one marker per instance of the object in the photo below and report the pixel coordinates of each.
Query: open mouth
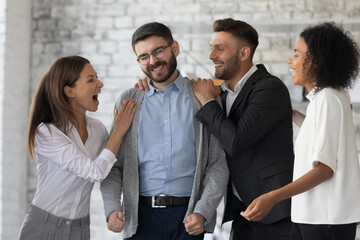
column 218, row 64
column 95, row 98
column 292, row 71
column 158, row 68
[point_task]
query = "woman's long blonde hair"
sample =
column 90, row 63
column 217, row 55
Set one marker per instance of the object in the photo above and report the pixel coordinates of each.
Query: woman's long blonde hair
column 50, row 104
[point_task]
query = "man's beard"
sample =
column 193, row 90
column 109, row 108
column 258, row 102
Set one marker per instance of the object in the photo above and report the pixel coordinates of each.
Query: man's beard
column 170, row 66
column 231, row 70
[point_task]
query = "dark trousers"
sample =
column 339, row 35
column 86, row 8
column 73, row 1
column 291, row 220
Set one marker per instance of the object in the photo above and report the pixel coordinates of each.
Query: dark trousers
column 162, row 224
column 323, row 232
column 244, row 230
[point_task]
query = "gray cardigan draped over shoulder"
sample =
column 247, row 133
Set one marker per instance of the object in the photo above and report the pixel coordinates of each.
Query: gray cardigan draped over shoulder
column 210, row 180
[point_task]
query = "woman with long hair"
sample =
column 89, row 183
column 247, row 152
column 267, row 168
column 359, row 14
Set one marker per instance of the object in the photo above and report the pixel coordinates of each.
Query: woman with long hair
column 72, row 150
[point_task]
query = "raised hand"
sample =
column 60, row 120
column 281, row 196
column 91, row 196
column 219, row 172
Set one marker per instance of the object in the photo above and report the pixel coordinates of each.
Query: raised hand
column 123, row 117
column 143, row 84
column 205, row 90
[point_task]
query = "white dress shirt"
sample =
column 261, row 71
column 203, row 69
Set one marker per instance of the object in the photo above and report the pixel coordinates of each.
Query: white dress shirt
column 327, row 135
column 67, row 168
column 230, row 99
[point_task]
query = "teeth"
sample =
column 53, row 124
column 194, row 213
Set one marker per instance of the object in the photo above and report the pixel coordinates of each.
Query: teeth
column 292, row 71
column 155, row 69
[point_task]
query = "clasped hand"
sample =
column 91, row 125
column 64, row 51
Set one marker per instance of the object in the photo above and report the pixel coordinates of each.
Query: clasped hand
column 205, row 90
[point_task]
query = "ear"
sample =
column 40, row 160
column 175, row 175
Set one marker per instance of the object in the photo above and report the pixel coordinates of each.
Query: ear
column 244, row 53
column 175, row 47
column 69, row 92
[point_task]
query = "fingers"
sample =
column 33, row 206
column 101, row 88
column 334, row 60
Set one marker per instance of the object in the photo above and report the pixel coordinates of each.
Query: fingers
column 140, row 84
column 252, row 213
column 143, row 84
column 127, row 105
column 124, row 117
column 127, row 108
column 194, row 224
column 116, row 221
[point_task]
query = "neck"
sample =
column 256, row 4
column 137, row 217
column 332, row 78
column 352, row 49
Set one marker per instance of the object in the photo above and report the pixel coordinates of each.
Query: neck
column 162, row 85
column 80, row 122
column 310, row 85
column 243, row 69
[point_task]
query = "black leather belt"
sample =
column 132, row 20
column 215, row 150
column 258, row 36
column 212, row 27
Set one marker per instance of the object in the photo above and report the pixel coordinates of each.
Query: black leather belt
column 164, row 201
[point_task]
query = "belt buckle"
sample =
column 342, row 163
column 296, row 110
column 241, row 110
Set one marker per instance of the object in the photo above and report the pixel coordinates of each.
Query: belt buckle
column 153, row 203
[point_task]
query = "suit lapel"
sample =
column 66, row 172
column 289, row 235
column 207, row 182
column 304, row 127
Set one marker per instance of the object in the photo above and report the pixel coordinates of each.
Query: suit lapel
column 249, row 83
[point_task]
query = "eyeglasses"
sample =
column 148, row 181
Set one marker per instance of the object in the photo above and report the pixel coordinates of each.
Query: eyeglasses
column 158, row 52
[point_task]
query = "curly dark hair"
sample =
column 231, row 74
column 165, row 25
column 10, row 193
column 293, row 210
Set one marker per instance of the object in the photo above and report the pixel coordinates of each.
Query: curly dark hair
column 334, row 55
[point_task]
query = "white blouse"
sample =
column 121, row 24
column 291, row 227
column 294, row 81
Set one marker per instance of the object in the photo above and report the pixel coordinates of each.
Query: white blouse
column 327, row 135
column 67, row 168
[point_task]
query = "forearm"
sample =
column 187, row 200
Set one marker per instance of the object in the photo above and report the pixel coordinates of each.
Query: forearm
column 298, row 117
column 311, row 179
column 111, row 190
column 114, row 142
column 215, row 180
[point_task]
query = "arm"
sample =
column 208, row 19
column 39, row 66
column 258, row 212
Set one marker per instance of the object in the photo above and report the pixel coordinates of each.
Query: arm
column 265, row 109
column 111, row 187
column 213, row 187
column 55, row 146
column 324, row 151
column 111, row 190
column 262, row 205
column 298, row 117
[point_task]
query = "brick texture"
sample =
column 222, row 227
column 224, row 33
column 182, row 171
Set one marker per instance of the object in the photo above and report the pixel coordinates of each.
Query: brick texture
column 101, row 31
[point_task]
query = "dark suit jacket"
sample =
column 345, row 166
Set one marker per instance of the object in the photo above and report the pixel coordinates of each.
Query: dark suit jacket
column 257, row 137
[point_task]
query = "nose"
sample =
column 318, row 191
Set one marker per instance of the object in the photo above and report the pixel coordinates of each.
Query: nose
column 100, row 84
column 212, row 55
column 153, row 59
column 289, row 61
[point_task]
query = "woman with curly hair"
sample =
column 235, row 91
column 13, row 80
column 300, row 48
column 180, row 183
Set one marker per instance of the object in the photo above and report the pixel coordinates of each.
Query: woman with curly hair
column 325, row 187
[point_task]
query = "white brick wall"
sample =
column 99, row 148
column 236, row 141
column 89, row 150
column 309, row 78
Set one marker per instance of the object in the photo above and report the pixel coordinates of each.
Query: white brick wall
column 15, row 71
column 2, row 75
column 101, row 31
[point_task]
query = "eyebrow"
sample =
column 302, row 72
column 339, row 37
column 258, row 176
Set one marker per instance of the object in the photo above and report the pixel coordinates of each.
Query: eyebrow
column 217, row 45
column 148, row 54
column 91, row 75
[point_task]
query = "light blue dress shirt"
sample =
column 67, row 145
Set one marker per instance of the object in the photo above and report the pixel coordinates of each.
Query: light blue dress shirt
column 166, row 141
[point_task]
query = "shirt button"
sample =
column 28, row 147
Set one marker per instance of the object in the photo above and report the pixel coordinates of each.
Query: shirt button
column 67, row 222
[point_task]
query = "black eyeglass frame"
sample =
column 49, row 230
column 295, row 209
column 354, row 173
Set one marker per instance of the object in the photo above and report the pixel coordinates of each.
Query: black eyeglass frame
column 146, row 57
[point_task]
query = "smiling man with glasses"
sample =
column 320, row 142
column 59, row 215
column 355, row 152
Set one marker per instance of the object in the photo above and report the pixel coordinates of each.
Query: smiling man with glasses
column 170, row 171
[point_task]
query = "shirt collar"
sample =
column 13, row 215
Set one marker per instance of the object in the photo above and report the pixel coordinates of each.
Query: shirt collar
column 312, row 94
column 179, row 84
column 239, row 85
